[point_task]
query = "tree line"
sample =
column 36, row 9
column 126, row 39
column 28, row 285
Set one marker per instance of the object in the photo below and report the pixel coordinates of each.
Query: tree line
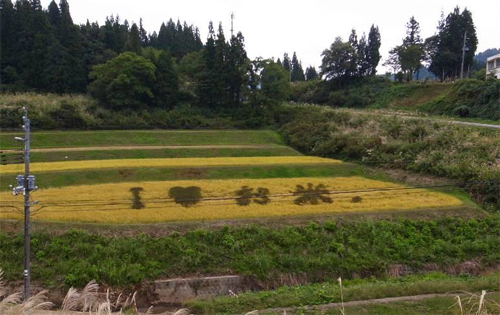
column 124, row 66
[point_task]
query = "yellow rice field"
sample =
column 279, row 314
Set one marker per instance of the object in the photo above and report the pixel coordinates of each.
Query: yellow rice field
column 169, row 162
column 218, row 199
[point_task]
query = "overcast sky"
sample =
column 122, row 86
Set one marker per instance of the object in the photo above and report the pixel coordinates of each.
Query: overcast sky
column 272, row 27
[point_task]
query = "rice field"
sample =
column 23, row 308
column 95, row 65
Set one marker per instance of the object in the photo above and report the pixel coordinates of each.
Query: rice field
column 185, row 200
column 168, row 162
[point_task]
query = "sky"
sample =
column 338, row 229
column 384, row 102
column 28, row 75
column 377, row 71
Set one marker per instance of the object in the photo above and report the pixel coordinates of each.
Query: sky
column 272, row 27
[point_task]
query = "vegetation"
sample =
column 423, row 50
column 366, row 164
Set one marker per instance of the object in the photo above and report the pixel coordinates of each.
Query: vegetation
column 468, row 155
column 187, row 200
column 318, row 251
column 183, row 162
column 64, row 139
column 352, row 290
column 89, row 177
column 149, row 153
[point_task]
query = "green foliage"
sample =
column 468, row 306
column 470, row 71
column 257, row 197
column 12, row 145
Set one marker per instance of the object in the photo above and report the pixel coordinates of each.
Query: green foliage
column 352, row 290
column 320, row 251
column 297, row 73
column 274, row 83
column 124, row 81
column 460, row 153
column 469, row 98
column 445, row 48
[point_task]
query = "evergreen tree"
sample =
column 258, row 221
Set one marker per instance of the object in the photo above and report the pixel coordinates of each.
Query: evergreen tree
column 286, row 62
column 153, row 40
column 221, row 66
column 166, row 87
column 54, row 14
column 412, row 33
column 297, row 73
column 134, row 41
column 445, row 48
column 411, row 53
column 143, row 36
column 8, row 35
column 311, row 73
column 372, row 50
column 238, row 65
column 34, row 36
column 362, row 56
column 207, row 76
column 71, row 39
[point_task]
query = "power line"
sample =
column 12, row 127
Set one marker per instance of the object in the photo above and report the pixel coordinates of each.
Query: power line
column 365, row 193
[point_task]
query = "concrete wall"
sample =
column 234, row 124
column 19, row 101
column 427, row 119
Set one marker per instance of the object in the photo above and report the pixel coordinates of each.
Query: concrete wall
column 180, row 290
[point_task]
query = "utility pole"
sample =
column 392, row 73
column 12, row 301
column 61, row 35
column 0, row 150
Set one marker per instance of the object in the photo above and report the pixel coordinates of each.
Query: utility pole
column 463, row 56
column 25, row 184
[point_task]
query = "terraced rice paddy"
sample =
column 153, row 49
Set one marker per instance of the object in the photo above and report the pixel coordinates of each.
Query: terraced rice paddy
column 184, row 162
column 148, row 202
column 162, row 184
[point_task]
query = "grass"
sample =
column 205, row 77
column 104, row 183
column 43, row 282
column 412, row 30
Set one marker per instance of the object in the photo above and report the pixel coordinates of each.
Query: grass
column 432, row 306
column 160, row 153
column 354, row 290
column 169, row 162
column 61, row 139
column 316, row 252
column 149, row 202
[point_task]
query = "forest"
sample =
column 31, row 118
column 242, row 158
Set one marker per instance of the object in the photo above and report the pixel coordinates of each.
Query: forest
column 124, row 66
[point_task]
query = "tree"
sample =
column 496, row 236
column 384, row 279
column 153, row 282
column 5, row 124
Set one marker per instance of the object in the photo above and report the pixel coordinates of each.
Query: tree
column 311, row 73
column 372, row 49
column 297, row 73
column 54, row 14
column 339, row 62
column 274, row 83
column 237, row 68
column 207, row 76
column 70, row 38
column 411, row 53
column 166, row 87
column 134, row 41
column 124, row 81
column 8, row 35
column 268, row 83
column 445, row 47
column 221, row 67
column 286, row 62
column 364, row 67
column 143, row 35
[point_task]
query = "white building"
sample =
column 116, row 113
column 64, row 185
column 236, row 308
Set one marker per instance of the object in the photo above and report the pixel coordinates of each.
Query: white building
column 493, row 66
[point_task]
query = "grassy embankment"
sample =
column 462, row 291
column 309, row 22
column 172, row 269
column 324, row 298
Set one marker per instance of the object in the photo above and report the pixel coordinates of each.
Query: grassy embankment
column 312, row 253
column 358, row 290
column 466, row 154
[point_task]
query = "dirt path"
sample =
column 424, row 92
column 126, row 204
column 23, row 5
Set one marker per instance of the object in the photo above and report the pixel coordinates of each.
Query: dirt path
column 155, row 147
column 326, row 307
column 455, row 122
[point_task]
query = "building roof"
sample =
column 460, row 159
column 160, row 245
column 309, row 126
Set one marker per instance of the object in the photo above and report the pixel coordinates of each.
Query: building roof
column 497, row 56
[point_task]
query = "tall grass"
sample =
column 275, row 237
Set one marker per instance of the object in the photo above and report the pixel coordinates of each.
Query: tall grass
column 87, row 301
